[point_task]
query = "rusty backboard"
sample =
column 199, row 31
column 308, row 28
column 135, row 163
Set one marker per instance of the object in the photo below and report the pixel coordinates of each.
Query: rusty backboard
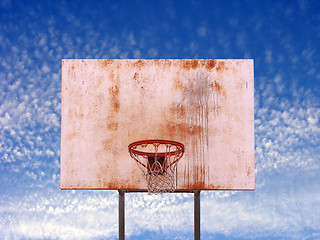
column 208, row 105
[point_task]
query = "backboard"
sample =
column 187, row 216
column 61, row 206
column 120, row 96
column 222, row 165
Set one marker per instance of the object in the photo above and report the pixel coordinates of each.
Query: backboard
column 208, row 105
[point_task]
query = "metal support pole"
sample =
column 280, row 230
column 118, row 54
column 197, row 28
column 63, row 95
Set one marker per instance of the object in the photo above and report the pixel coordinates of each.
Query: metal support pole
column 197, row 215
column 121, row 215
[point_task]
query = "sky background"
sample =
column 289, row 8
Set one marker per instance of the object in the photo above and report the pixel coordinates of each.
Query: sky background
column 283, row 38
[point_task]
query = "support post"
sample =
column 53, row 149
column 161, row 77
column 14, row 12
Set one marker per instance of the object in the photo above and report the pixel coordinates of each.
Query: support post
column 121, row 215
column 197, row 215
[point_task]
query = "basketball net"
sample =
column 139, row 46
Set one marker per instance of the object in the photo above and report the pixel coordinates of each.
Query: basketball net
column 158, row 160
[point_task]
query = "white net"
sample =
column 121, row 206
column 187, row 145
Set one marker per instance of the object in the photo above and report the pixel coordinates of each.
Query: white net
column 158, row 161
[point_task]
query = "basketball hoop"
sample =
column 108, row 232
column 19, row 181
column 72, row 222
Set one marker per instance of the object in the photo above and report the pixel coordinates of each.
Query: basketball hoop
column 158, row 161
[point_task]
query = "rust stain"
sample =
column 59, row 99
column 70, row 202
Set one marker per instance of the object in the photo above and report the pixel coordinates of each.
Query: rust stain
column 75, row 114
column 127, row 184
column 101, row 79
column 216, row 87
column 98, row 99
column 115, row 102
column 188, row 64
column 180, row 130
column 112, row 126
column 166, row 63
column 201, row 186
column 209, row 64
column 106, row 144
column 178, row 111
column 190, row 129
column 139, row 83
column 220, row 66
column 139, row 64
column 71, row 71
column 135, row 76
column 179, row 85
column 114, row 93
column 197, row 186
column 71, row 136
column 113, row 184
column 105, row 62
column 162, row 62
column 199, row 174
column 156, row 61
column 193, row 109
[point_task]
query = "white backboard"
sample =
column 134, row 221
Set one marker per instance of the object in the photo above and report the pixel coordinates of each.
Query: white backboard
column 208, row 105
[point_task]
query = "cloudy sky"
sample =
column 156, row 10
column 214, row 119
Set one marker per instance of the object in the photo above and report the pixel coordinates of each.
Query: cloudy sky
column 283, row 38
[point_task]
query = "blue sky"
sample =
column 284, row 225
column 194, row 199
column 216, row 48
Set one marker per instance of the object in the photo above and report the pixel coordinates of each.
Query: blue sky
column 283, row 38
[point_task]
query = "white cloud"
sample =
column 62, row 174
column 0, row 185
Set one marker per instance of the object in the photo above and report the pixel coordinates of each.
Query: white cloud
column 136, row 53
column 268, row 144
column 43, row 40
column 81, row 215
column 46, row 69
column 114, row 51
column 15, row 49
column 312, row 120
column 288, row 137
column 6, row 3
column 268, row 56
column 5, row 119
column 223, row 39
column 31, row 175
column 308, row 54
column 132, row 40
column 233, row 22
column 61, row 216
column 240, row 39
column 202, row 31
column 15, row 85
column 153, row 52
column 274, row 209
column 303, row 5
column 49, row 153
